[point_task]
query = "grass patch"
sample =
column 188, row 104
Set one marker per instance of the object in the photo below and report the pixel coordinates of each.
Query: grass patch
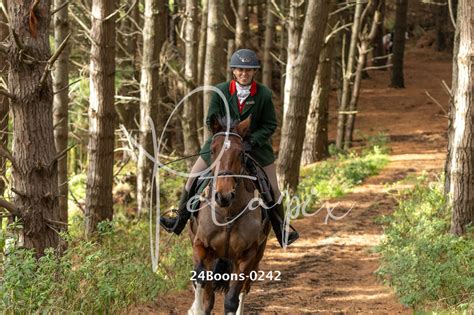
column 426, row 266
column 338, row 175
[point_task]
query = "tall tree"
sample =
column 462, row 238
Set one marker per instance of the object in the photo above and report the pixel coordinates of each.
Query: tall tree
column 294, row 33
column 315, row 147
column 101, row 115
column 397, row 80
column 366, row 37
column 149, row 93
column 127, row 54
column 242, row 24
column 61, row 102
column 268, row 45
column 4, row 100
column 294, row 120
column 347, row 77
column 379, row 50
column 190, row 136
column 34, row 159
column 460, row 158
column 213, row 51
column 201, row 63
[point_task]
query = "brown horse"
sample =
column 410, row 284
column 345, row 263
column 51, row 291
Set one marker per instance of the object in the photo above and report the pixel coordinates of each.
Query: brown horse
column 231, row 249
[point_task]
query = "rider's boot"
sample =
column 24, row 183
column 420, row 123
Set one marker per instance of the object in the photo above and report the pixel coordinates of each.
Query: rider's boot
column 276, row 214
column 177, row 224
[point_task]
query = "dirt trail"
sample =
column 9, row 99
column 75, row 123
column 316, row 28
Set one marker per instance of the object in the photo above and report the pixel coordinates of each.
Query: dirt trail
column 331, row 268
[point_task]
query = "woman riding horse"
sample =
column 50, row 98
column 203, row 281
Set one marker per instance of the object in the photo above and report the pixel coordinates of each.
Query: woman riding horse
column 245, row 97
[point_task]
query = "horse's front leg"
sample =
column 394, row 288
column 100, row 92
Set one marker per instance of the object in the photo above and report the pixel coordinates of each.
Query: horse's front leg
column 199, row 254
column 234, row 299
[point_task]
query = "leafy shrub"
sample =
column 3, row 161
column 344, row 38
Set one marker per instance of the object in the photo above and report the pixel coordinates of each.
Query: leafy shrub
column 426, row 266
column 92, row 276
column 336, row 176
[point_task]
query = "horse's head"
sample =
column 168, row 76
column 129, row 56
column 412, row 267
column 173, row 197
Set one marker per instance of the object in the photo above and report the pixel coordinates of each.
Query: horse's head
column 231, row 161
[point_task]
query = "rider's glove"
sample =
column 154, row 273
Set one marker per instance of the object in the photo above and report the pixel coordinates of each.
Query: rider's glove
column 247, row 146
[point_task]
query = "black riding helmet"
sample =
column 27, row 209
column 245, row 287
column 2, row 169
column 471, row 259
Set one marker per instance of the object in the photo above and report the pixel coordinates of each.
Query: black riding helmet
column 244, row 58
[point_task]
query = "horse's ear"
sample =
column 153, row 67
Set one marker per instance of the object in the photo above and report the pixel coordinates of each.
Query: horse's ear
column 243, row 127
column 215, row 124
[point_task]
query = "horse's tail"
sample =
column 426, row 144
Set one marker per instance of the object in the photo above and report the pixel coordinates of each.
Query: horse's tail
column 223, row 269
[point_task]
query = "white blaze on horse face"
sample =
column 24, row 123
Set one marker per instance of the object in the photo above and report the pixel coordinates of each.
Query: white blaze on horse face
column 226, row 145
column 197, row 308
column 240, row 310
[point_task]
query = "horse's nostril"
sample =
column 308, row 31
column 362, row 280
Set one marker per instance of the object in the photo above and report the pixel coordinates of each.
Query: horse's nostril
column 232, row 196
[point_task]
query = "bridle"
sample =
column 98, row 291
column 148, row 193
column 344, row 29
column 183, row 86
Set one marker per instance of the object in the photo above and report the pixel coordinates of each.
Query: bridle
column 229, row 173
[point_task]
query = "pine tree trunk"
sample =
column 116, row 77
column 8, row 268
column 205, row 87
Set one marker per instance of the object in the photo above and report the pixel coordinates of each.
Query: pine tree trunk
column 347, row 78
column 366, row 38
column 213, row 51
column 460, row 161
column 242, row 26
column 397, row 80
column 294, row 121
column 230, row 52
column 149, row 92
column 283, row 53
column 101, row 116
column 201, row 63
column 60, row 104
column 379, row 50
column 315, row 147
column 35, row 172
column 4, row 104
column 190, row 136
column 268, row 46
column 294, row 33
column 128, row 110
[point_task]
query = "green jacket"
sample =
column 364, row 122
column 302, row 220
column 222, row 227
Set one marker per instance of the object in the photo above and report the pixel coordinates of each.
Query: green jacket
column 263, row 122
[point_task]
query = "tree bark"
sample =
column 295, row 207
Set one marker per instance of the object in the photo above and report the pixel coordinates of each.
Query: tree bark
column 128, row 110
column 347, row 77
column 101, row 116
column 213, row 51
column 149, row 93
column 397, row 80
column 242, row 26
column 35, row 172
column 366, row 38
column 268, row 46
column 61, row 102
column 379, row 50
column 190, row 136
column 201, row 63
column 460, row 158
column 4, row 103
column 294, row 121
column 315, row 147
column 230, row 52
column 294, row 33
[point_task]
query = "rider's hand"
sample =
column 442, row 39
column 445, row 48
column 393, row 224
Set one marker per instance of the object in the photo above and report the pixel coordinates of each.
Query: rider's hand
column 247, row 146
